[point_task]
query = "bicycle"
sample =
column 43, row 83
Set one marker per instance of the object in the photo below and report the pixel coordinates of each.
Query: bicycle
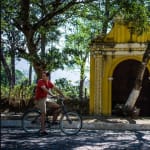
column 70, row 122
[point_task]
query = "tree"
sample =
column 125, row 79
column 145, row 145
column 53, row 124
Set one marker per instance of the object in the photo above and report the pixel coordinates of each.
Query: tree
column 10, row 39
column 9, row 52
column 130, row 103
column 20, row 77
column 30, row 17
column 68, row 88
column 6, row 68
column 76, row 48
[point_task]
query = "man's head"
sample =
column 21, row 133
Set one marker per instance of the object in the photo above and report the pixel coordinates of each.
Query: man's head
column 45, row 75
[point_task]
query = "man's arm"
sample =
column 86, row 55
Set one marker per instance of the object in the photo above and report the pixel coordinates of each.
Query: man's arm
column 46, row 90
column 58, row 91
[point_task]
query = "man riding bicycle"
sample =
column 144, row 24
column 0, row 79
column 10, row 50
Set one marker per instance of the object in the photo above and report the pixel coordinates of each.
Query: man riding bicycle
column 42, row 90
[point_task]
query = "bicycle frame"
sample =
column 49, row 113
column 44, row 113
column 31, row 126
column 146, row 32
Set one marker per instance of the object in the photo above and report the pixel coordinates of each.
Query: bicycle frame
column 70, row 123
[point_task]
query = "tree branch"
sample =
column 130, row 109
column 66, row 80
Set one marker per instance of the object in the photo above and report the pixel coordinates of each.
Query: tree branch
column 58, row 9
column 25, row 5
column 22, row 53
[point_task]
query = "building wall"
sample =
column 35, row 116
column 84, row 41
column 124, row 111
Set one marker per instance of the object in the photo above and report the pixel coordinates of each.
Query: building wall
column 101, row 76
column 107, row 51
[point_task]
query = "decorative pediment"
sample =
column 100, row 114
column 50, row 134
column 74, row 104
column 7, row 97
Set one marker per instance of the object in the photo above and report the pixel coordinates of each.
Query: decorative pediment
column 121, row 34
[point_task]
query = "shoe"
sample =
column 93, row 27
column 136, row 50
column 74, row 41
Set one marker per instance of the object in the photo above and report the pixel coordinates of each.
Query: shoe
column 43, row 133
column 55, row 123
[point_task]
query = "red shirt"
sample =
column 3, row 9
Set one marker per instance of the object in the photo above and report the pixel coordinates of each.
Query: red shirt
column 40, row 93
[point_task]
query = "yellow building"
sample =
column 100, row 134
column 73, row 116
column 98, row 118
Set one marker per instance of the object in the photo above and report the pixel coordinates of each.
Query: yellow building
column 114, row 62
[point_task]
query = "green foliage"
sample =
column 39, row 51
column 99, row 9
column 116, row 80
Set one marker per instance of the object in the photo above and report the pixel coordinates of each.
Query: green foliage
column 54, row 59
column 85, row 19
column 77, row 46
column 18, row 93
column 4, row 80
column 136, row 10
column 67, row 87
column 4, row 91
column 20, row 77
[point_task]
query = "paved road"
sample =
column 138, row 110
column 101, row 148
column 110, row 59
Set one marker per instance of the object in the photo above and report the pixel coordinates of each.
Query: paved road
column 12, row 139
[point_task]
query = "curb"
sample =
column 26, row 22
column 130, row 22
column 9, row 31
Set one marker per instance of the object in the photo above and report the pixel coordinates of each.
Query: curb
column 91, row 126
column 116, row 126
column 10, row 123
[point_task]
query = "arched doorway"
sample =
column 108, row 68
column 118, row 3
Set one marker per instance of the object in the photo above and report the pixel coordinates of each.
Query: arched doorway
column 124, row 77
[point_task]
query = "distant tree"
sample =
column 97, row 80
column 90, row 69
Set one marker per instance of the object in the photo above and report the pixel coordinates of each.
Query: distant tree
column 20, row 76
column 4, row 79
column 10, row 41
column 77, row 46
column 68, row 88
column 6, row 67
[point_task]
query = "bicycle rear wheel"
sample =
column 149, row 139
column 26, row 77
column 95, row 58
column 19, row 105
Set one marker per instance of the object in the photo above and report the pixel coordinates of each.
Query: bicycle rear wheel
column 71, row 123
column 31, row 121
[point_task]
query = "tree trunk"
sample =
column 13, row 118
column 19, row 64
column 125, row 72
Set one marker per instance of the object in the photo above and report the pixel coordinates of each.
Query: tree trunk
column 30, row 74
column 130, row 103
column 13, row 66
column 30, row 29
column 82, row 78
column 6, row 67
column 43, row 36
column 38, row 68
column 43, row 42
column 38, row 63
column 106, row 14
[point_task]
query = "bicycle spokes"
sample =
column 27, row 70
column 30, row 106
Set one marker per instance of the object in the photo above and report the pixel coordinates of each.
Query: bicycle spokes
column 31, row 122
column 71, row 123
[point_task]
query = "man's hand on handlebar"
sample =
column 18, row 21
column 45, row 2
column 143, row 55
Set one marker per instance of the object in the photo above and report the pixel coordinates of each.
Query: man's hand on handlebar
column 58, row 96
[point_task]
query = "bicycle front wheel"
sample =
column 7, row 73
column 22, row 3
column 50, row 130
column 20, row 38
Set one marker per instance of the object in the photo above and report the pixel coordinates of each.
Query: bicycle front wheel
column 31, row 121
column 71, row 123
